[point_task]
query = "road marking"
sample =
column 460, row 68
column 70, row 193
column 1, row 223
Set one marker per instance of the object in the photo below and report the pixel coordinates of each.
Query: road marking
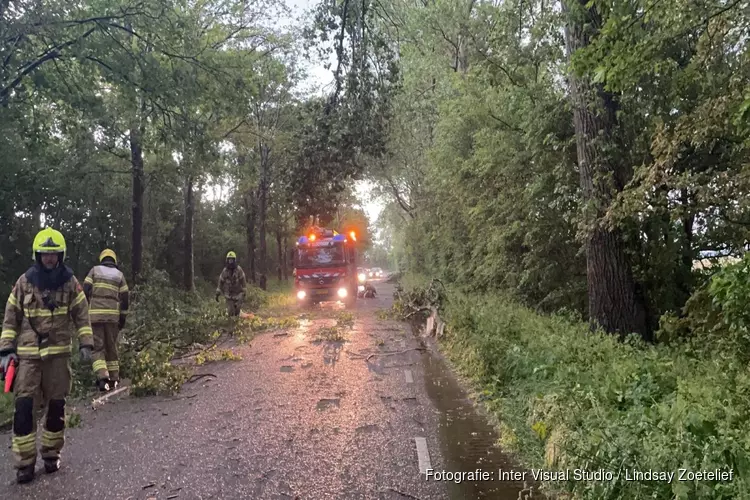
column 409, row 377
column 423, row 455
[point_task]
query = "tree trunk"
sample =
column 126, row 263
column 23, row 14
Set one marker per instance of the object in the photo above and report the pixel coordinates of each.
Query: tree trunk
column 279, row 254
column 250, row 231
column 284, row 260
column 136, row 160
column 688, row 221
column 262, row 214
column 613, row 303
column 188, row 269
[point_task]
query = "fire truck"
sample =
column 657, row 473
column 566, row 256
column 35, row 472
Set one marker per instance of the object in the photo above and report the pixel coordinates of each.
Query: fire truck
column 325, row 267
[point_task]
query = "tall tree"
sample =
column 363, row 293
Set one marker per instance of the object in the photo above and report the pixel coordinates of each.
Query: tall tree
column 613, row 302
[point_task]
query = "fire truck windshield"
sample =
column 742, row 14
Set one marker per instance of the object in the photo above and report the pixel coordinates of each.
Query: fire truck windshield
column 320, row 256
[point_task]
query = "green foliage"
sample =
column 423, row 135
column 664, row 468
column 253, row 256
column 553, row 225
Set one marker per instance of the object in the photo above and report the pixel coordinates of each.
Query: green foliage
column 571, row 399
column 333, row 333
column 162, row 313
column 715, row 318
column 386, row 314
column 345, row 319
column 151, row 370
column 214, row 354
column 258, row 323
column 164, row 321
column 6, row 408
column 72, row 419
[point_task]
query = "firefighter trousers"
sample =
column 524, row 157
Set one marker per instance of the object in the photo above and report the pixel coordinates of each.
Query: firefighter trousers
column 49, row 381
column 106, row 360
column 233, row 306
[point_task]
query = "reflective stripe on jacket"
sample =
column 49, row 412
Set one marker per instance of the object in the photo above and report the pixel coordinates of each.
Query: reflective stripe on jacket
column 35, row 330
column 108, row 294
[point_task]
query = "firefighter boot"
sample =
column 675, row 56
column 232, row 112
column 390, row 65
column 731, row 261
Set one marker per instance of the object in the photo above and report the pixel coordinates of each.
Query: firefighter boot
column 51, row 465
column 103, row 384
column 25, row 474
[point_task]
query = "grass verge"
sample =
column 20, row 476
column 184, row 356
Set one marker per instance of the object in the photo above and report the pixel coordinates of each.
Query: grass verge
column 566, row 398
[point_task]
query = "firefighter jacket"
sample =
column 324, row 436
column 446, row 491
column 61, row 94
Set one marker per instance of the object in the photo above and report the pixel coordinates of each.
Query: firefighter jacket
column 108, row 295
column 39, row 324
column 232, row 283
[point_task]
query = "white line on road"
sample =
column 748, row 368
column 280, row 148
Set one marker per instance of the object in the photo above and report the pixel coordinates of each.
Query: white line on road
column 409, row 377
column 423, row 455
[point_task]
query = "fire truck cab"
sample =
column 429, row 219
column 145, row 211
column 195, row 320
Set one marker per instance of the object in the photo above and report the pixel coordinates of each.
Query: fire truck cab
column 325, row 267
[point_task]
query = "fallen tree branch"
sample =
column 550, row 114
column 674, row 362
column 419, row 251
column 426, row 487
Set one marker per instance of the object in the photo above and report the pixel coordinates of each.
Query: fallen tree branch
column 407, row 495
column 100, row 401
column 195, row 378
column 421, row 309
column 396, row 352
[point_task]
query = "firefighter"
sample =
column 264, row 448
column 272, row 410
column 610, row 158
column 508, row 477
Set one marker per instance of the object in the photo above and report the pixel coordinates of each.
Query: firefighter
column 232, row 285
column 107, row 291
column 46, row 301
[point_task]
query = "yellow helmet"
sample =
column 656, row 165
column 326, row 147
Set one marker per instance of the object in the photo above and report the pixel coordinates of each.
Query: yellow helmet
column 231, row 255
column 49, row 240
column 108, row 253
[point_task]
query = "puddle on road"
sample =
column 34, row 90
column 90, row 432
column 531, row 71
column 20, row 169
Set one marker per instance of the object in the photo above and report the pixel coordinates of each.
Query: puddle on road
column 467, row 440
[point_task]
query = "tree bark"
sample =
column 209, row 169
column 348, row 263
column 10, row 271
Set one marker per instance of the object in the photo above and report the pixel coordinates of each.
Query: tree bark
column 136, row 160
column 285, row 256
column 263, row 213
column 613, row 302
column 279, row 254
column 250, row 206
column 188, row 264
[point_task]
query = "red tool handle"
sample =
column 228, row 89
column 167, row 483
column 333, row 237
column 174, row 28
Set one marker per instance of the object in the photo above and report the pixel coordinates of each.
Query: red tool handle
column 10, row 376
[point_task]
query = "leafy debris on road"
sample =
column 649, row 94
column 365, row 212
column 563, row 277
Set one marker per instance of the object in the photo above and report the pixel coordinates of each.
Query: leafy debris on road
column 72, row 419
column 345, row 319
column 216, row 355
column 331, row 334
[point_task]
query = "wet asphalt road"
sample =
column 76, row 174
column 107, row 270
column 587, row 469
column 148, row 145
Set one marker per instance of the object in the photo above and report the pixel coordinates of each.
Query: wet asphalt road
column 295, row 418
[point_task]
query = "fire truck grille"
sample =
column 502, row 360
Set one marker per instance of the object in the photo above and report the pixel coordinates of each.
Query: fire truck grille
column 321, row 278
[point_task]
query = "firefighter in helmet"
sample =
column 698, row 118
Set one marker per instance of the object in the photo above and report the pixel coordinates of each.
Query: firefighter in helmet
column 47, row 303
column 232, row 284
column 108, row 295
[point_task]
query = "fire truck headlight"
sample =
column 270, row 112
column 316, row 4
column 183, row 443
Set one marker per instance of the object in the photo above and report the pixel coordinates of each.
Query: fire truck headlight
column 362, row 277
column 301, row 295
column 342, row 292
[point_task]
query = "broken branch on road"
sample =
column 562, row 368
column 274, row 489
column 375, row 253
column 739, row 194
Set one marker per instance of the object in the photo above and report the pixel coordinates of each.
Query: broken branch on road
column 407, row 495
column 396, row 352
column 423, row 300
column 195, row 378
column 100, row 401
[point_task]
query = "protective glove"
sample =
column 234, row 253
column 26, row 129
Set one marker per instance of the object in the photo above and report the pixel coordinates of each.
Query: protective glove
column 217, row 296
column 86, row 354
column 121, row 323
column 5, row 361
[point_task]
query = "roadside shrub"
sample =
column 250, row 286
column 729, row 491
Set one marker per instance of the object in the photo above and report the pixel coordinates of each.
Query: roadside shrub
column 567, row 398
